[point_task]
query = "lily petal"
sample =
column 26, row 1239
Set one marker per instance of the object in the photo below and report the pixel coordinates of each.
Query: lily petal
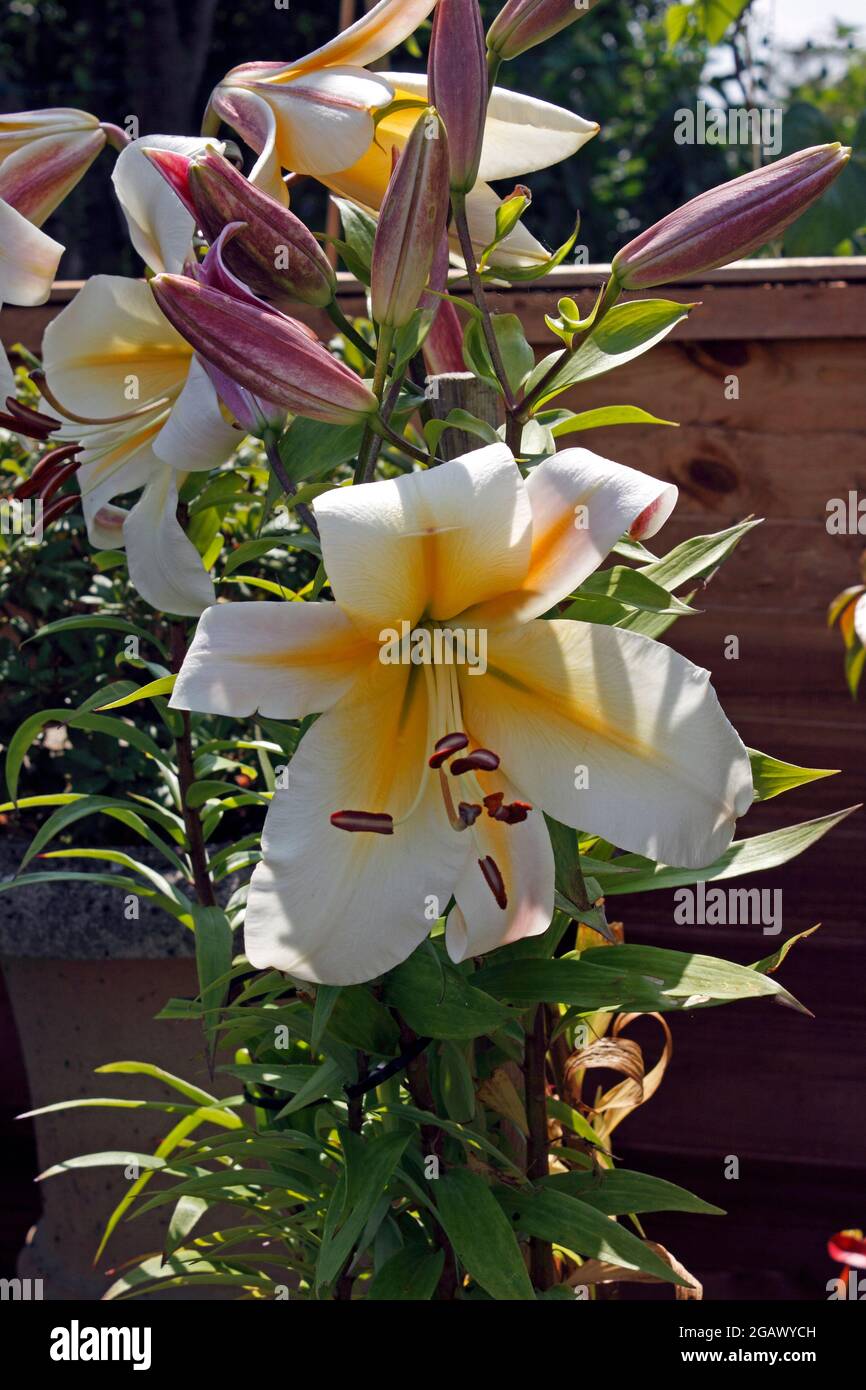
column 253, row 118
column 523, row 856
column 28, row 259
column 521, row 134
column 164, row 565
column 196, row 434
column 324, row 119
column 581, row 505
column 286, row 660
column 384, row 27
column 568, row 703
column 36, row 177
column 431, row 542
column 111, row 349
column 336, row 907
column 160, row 227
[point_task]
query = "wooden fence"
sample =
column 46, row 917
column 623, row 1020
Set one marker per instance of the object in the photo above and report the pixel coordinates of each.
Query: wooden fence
column 767, row 379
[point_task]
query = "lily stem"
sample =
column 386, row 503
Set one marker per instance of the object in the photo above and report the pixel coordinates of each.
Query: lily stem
column 369, row 450
column 348, row 330
column 272, row 449
column 186, row 779
column 458, row 203
column 418, row 1085
column 537, row 1162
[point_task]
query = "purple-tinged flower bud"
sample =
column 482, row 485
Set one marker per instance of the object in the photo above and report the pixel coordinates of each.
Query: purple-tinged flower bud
column 275, row 254
column 521, row 24
column 271, row 355
column 411, row 223
column 729, row 221
column 457, row 85
column 43, row 154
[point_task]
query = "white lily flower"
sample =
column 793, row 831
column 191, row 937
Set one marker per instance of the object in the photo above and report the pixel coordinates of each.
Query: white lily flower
column 601, row 727
column 28, row 266
column 316, row 116
column 136, row 397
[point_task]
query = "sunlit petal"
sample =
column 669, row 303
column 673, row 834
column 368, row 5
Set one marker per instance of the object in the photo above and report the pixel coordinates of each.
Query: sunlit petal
column 431, row 542
column 286, row 660
column 332, row 906
column 164, row 565
column 612, row 732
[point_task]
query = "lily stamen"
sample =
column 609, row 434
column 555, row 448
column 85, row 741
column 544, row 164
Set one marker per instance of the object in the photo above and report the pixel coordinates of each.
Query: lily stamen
column 469, row 812
column 446, row 746
column 481, row 759
column 493, row 878
column 49, row 395
column 377, row 823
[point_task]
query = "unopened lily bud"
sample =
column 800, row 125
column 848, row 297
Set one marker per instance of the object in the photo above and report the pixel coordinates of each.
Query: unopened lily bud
column 275, row 254
column 457, row 85
column 521, row 24
column 43, row 154
column 268, row 353
column 411, row 223
column 728, row 222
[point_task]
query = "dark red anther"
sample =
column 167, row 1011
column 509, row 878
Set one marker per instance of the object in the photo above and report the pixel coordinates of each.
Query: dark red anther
column 494, row 880
column 493, row 802
column 481, row 759
column 512, row 813
column 58, row 507
column 46, row 465
column 57, row 479
column 469, row 811
column 444, row 747
column 374, row 822
column 23, row 420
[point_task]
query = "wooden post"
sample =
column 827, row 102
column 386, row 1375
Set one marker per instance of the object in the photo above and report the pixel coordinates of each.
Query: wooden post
column 461, row 390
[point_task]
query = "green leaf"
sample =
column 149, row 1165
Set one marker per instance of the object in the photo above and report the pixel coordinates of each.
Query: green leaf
column 633, row 588
column 213, row 958
column 508, row 214
column 642, row 978
column 359, row 230
column 326, row 998
column 101, row 623
column 186, row 1215
column 518, row 357
column 685, row 979
column 254, row 550
column 772, row 777
column 411, row 1275
column 166, row 1078
column 456, row 1083
column 458, row 419
column 619, row 1192
column 368, row 1169
column 772, row 962
column 698, row 556
column 626, row 331
column 766, row 851
column 311, row 449
column 436, row 1000
column 570, row 423
column 481, row 1235
column 163, row 686
column 555, row 1216
column 358, row 1019
column 524, row 274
